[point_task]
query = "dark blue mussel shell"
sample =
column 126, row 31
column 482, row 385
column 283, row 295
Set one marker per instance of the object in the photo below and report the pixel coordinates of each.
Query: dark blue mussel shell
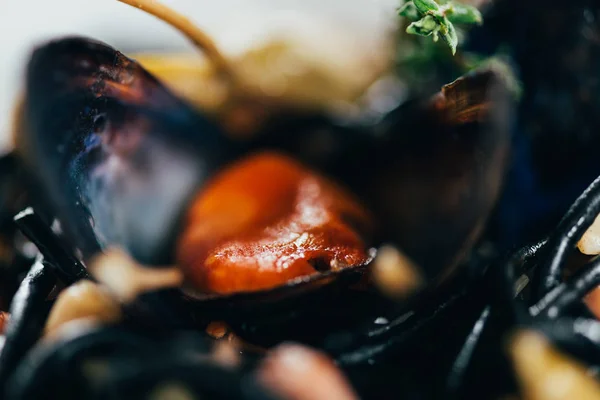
column 118, row 153
column 430, row 170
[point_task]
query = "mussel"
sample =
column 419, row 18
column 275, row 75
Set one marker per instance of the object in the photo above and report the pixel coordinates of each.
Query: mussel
column 107, row 131
column 275, row 231
column 128, row 163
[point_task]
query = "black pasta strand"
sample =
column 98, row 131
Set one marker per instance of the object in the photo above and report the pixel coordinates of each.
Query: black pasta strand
column 581, row 336
column 562, row 241
column 577, row 336
column 202, row 378
column 40, row 372
column 459, row 367
column 500, row 284
column 68, row 268
column 28, row 312
column 403, row 329
column 134, row 363
column 559, row 300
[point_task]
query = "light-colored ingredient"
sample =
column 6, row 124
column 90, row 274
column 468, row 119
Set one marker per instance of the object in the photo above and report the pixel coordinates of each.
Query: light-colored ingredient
column 172, row 391
column 546, row 374
column 83, row 300
column 289, row 72
column 394, row 273
column 127, row 279
column 226, row 353
column 326, row 71
column 590, row 241
column 589, row 244
column 300, row 373
column 198, row 37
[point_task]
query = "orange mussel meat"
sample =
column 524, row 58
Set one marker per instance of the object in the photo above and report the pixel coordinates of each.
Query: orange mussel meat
column 266, row 220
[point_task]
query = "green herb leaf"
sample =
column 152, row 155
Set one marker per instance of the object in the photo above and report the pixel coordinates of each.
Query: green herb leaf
column 426, row 6
column 464, row 14
column 449, row 34
column 438, row 20
column 409, row 11
column 423, row 27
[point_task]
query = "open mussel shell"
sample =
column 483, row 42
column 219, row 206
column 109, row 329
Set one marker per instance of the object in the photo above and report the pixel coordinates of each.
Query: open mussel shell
column 441, row 167
column 118, row 153
column 430, row 170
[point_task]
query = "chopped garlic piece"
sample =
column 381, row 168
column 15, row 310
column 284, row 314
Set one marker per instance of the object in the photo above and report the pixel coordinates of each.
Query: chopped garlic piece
column 297, row 372
column 545, row 374
column 394, row 273
column 590, row 241
column 83, row 300
column 173, row 391
column 128, row 279
column 226, row 353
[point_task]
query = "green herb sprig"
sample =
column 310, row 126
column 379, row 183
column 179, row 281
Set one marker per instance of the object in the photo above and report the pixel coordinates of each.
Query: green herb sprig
column 433, row 19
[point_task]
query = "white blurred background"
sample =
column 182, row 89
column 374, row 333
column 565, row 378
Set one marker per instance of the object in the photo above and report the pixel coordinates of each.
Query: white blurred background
column 234, row 25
